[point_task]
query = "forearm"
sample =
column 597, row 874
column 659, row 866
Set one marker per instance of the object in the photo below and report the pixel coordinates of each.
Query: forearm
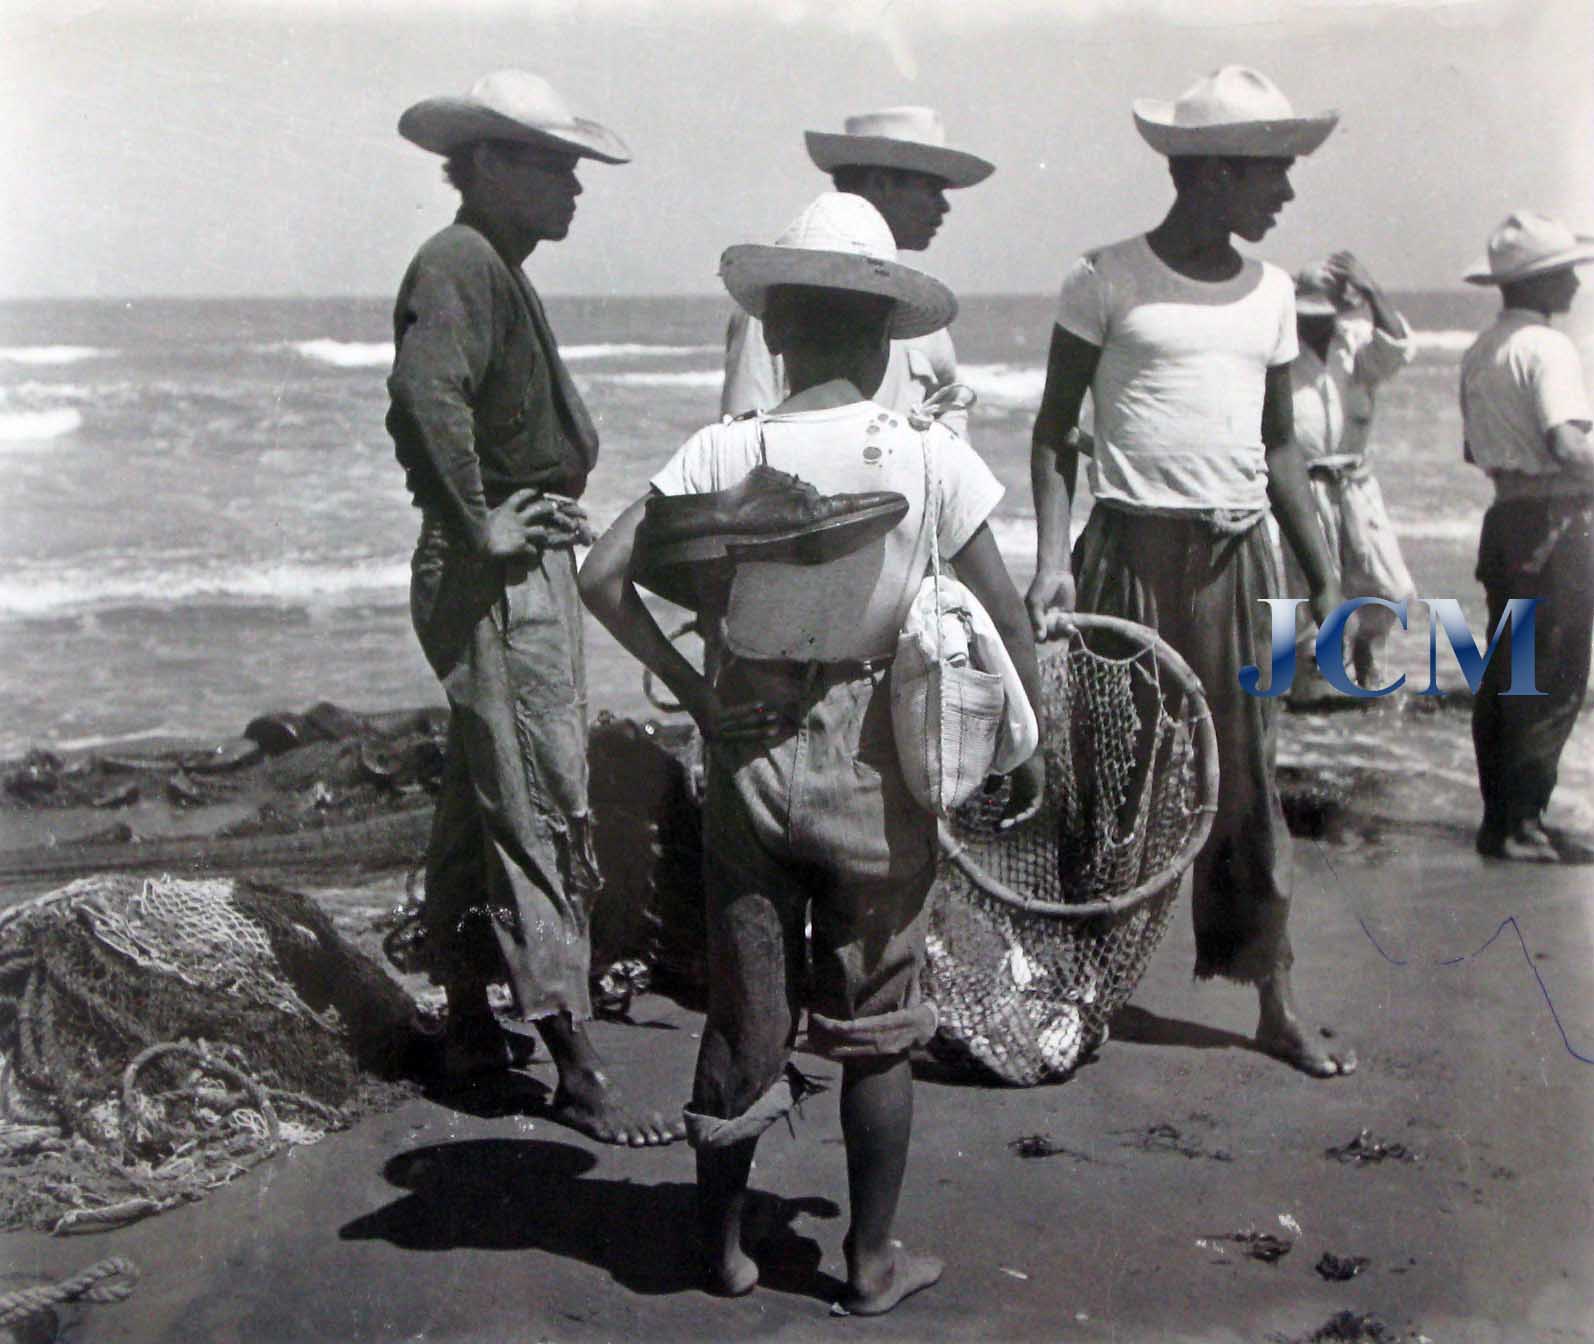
column 1289, row 491
column 1053, row 472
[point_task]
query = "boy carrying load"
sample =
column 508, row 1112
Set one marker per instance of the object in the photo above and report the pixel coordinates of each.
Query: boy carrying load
column 807, row 817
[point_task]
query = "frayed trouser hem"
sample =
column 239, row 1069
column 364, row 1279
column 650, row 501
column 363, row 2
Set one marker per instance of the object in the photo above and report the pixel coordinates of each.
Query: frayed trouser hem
column 787, row 1092
column 893, row 1033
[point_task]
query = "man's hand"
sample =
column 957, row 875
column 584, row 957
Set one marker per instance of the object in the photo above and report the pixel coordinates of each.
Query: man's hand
column 1049, row 590
column 1028, row 791
column 752, row 721
column 1349, row 271
column 1325, row 601
column 529, row 522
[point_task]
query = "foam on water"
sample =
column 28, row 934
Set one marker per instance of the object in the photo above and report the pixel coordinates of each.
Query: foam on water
column 692, row 378
column 51, row 354
column 1443, row 342
column 344, row 354
column 22, row 428
column 616, row 349
column 1009, row 386
column 282, row 583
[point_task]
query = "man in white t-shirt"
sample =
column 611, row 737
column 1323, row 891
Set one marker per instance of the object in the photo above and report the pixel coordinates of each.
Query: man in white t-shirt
column 1525, row 415
column 1185, row 347
column 807, row 817
column 898, row 160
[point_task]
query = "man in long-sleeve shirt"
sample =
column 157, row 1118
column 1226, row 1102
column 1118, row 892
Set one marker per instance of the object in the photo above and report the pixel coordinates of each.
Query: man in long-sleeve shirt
column 1334, row 380
column 496, row 445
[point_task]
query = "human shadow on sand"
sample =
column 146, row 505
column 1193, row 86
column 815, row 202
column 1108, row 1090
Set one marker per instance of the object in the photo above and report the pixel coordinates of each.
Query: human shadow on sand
column 1137, row 1026
column 534, row 1195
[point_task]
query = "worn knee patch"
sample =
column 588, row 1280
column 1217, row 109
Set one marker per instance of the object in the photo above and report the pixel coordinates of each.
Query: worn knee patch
column 892, row 1033
column 788, row 1091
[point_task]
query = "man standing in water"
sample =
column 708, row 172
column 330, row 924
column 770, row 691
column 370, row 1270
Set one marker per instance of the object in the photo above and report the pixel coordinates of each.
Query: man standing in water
column 1185, row 347
column 497, row 445
column 898, row 160
column 1525, row 415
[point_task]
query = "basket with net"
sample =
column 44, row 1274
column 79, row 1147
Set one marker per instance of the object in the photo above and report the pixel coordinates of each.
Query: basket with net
column 1038, row 934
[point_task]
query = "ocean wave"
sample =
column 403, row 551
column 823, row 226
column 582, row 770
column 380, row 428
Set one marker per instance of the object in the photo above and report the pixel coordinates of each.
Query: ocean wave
column 683, row 378
column 50, row 354
column 1437, row 529
column 21, row 427
column 1008, row 386
column 342, row 354
column 634, row 348
column 284, row 583
column 1446, row 342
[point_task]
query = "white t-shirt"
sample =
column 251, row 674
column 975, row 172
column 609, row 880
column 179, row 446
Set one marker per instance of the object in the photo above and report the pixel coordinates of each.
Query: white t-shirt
column 1179, row 387
column 852, row 607
column 1519, row 380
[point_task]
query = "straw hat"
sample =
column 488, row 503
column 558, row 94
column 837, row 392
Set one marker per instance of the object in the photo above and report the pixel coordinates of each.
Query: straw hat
column 1528, row 244
column 1235, row 112
column 839, row 241
column 1318, row 292
column 509, row 105
column 910, row 138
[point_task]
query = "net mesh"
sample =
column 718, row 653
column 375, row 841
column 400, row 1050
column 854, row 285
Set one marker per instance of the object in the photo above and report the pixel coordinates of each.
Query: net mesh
column 1025, row 986
column 159, row 1036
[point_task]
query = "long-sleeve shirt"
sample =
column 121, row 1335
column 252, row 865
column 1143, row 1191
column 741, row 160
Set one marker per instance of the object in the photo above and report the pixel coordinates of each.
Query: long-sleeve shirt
column 482, row 405
column 755, row 379
column 1335, row 397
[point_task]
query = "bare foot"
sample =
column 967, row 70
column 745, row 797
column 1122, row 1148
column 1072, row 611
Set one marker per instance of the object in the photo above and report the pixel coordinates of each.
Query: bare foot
column 873, row 1291
column 590, row 1104
column 732, row 1274
column 1288, row 1041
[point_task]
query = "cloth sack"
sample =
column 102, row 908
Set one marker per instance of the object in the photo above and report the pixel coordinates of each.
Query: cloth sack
column 958, row 709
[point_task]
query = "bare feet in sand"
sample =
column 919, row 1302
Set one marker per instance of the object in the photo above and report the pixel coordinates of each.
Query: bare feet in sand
column 1288, row 1041
column 590, row 1103
column 732, row 1273
column 873, row 1289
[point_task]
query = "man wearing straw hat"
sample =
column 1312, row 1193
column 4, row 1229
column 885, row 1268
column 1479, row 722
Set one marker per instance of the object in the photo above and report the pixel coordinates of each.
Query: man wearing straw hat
column 1525, row 417
column 1343, row 361
column 898, row 160
column 1185, row 346
column 807, row 814
column 497, row 445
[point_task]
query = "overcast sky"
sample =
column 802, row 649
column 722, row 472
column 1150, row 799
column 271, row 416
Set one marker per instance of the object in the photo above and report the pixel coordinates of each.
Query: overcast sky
column 181, row 147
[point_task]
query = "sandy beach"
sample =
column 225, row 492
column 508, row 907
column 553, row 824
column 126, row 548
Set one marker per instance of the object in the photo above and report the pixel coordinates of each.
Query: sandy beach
column 1464, row 986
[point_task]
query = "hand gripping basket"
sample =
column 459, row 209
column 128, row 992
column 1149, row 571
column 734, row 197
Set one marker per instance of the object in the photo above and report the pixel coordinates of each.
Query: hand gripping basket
column 1039, row 934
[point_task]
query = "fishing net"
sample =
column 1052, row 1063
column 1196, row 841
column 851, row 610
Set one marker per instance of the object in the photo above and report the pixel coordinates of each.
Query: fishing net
column 1038, row 934
column 160, row 1036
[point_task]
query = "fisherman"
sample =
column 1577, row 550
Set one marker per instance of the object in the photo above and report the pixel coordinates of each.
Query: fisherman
column 1185, row 346
column 1525, row 419
column 898, row 160
column 807, row 815
column 1335, row 378
column 497, row 446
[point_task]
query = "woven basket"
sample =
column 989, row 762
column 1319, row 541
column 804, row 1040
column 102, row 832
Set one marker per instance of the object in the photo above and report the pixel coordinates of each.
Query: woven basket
column 1037, row 935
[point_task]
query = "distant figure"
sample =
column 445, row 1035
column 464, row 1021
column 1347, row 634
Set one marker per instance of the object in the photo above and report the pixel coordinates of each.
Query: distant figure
column 1525, row 417
column 1185, row 346
column 497, row 445
column 1335, row 379
column 898, row 160
column 817, row 861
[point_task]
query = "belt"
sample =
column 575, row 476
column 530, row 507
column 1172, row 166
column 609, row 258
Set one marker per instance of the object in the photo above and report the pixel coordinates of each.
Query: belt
column 810, row 670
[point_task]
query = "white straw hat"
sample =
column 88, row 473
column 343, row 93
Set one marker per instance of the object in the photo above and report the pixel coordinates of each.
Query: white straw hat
column 839, row 241
column 1235, row 112
column 910, row 138
column 509, row 105
column 1528, row 244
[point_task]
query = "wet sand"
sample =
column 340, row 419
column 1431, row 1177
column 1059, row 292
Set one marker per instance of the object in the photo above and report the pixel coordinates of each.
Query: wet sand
column 466, row 1219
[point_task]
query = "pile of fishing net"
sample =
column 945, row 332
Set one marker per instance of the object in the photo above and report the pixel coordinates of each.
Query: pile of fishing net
column 1040, row 933
column 160, row 1036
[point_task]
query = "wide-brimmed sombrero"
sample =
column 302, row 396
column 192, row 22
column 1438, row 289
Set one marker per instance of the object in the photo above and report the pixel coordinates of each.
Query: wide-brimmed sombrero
column 1528, row 244
column 1235, row 112
column 839, row 241
column 509, row 105
column 910, row 138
